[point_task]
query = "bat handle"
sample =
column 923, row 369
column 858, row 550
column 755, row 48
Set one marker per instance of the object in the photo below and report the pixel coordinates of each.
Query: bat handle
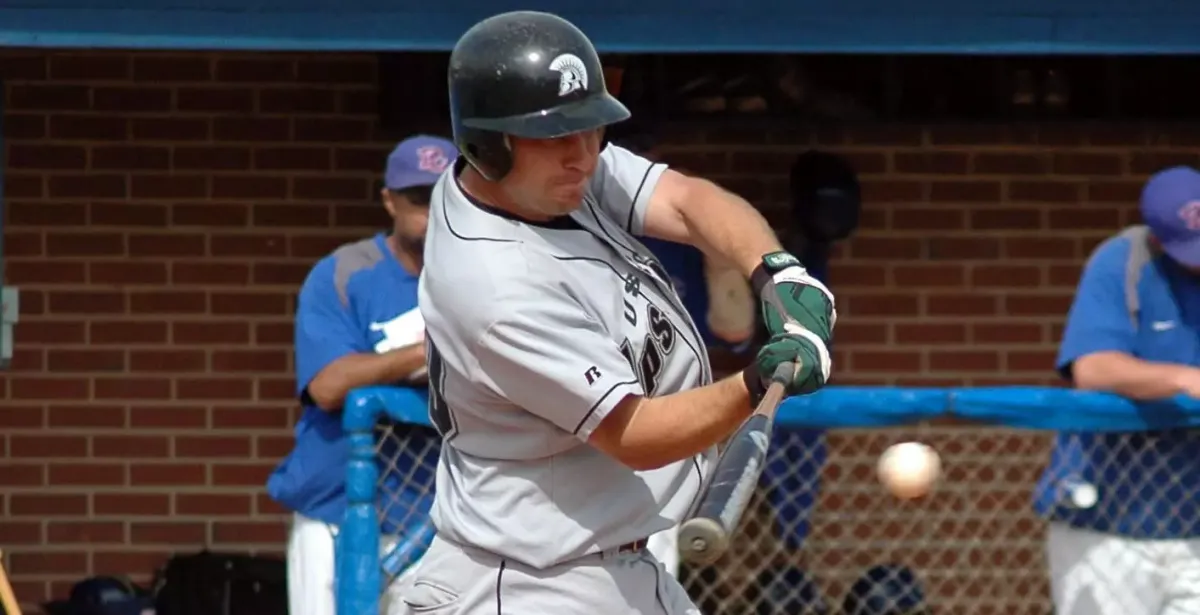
column 786, row 372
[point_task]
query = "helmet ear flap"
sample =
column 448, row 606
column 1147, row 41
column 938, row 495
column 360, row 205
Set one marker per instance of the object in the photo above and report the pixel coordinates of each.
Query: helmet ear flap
column 489, row 152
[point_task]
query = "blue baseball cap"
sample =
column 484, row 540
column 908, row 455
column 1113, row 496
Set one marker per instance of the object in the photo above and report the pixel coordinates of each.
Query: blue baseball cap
column 1171, row 208
column 418, row 161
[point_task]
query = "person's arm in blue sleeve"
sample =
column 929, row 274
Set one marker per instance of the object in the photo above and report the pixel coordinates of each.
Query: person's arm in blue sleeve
column 1097, row 346
column 332, row 353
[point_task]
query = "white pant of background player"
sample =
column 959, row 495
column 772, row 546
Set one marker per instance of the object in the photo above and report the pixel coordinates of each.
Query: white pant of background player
column 310, row 563
column 1102, row 574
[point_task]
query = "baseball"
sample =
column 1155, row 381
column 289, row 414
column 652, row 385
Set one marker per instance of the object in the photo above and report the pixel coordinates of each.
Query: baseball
column 909, row 469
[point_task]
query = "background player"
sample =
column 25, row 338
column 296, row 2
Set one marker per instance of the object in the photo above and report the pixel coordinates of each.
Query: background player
column 1131, row 547
column 357, row 324
column 567, row 379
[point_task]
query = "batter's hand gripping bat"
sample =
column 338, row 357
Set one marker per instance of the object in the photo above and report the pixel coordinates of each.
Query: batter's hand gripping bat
column 704, row 536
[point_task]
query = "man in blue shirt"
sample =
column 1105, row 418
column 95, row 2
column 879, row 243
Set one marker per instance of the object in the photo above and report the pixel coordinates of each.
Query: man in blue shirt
column 1124, row 509
column 357, row 324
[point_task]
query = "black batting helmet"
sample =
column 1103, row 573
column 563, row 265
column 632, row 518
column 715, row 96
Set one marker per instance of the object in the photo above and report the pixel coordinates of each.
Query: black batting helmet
column 526, row 74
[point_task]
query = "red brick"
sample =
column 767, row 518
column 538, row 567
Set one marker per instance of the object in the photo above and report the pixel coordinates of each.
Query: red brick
column 241, row 474
column 211, row 158
column 238, row 361
column 91, row 415
column 139, row 504
column 132, row 388
column 87, row 532
column 213, row 504
column 29, row 387
column 89, row 474
column 296, row 100
column 49, row 562
column 167, row 533
column 167, row 360
column 213, row 388
column 234, row 532
column 212, row 447
column 126, row 562
column 167, row 475
column 228, row 303
column 85, row 244
column 130, row 447
column 168, row 302
column 127, row 272
column 20, row 533
column 130, row 99
column 121, row 214
column 47, row 157
column 259, row 417
column 211, row 332
column 173, row 417
column 172, row 69
column 23, row 273
column 48, row 504
column 128, row 332
column 80, row 360
column 36, row 213
column 166, row 244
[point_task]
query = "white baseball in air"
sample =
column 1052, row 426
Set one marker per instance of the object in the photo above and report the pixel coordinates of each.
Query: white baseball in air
column 909, row 469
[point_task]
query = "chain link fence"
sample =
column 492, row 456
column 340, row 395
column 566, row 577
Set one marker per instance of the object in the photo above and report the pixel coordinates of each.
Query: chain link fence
column 823, row 536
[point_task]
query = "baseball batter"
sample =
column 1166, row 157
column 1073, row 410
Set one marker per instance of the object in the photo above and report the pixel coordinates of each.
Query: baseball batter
column 570, row 386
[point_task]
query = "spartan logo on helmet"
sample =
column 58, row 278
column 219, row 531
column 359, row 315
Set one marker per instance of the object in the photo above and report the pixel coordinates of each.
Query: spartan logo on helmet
column 572, row 74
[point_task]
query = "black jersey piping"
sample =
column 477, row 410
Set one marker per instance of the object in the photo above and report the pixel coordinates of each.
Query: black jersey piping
column 499, row 578
column 596, row 405
column 636, row 195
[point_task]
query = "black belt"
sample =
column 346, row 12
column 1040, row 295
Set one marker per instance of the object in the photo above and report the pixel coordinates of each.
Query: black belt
column 633, row 547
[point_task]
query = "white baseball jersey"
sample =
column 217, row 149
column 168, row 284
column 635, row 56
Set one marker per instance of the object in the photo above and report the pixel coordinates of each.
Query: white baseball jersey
column 535, row 332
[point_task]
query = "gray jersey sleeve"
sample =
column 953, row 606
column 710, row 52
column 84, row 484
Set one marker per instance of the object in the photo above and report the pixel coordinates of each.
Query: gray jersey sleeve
column 546, row 355
column 622, row 186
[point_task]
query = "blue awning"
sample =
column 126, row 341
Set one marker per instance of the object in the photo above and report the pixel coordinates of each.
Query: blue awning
column 858, row 26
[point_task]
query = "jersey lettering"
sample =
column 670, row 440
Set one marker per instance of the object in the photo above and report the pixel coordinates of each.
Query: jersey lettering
column 439, row 410
column 661, row 329
column 658, row 343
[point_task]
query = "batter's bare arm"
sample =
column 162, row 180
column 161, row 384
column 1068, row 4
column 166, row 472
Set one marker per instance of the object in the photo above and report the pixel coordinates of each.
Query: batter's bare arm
column 330, row 386
column 648, row 433
column 696, row 211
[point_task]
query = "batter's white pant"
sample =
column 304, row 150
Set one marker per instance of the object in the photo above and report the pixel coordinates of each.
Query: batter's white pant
column 310, row 570
column 1102, row 574
column 665, row 546
column 459, row 580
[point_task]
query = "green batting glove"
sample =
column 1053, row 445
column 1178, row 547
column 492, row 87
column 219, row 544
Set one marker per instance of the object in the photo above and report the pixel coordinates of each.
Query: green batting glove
column 788, row 293
column 811, row 359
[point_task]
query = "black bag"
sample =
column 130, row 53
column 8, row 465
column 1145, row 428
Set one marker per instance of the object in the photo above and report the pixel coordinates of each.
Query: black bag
column 209, row 583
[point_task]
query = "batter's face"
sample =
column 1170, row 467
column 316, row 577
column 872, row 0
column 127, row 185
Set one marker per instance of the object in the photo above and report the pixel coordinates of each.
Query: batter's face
column 409, row 209
column 549, row 176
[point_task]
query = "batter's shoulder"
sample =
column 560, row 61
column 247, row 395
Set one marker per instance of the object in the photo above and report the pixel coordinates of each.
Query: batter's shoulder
column 481, row 290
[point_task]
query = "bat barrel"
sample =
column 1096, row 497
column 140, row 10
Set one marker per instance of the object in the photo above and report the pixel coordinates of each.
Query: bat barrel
column 702, row 541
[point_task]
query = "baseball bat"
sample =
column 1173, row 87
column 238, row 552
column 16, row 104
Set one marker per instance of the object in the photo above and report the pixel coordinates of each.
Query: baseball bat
column 7, row 599
column 705, row 535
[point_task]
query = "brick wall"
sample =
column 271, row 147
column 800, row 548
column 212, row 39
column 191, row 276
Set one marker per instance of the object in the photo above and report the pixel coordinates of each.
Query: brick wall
column 160, row 211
